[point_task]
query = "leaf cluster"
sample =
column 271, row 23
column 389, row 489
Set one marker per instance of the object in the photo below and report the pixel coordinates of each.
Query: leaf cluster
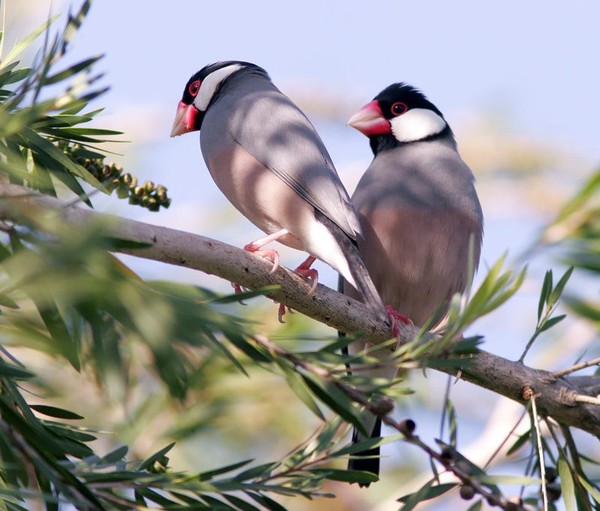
column 42, row 109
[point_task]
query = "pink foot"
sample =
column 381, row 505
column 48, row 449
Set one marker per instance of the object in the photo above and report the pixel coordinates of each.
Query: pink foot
column 271, row 255
column 282, row 310
column 310, row 274
column 237, row 290
column 395, row 316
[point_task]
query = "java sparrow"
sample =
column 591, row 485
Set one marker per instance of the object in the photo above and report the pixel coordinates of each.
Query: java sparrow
column 269, row 161
column 419, row 213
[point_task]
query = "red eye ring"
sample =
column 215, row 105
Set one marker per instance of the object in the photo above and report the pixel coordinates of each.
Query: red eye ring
column 398, row 108
column 194, row 88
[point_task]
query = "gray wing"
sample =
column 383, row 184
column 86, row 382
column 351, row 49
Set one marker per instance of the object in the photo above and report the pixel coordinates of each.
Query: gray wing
column 290, row 146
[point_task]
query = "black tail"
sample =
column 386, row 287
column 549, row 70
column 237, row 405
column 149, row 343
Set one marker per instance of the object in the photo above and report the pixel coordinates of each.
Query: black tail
column 359, row 271
column 369, row 464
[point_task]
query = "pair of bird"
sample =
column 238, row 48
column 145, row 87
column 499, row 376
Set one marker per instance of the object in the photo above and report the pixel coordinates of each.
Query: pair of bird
column 401, row 243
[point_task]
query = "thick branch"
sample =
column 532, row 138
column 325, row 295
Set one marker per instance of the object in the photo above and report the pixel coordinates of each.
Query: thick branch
column 557, row 396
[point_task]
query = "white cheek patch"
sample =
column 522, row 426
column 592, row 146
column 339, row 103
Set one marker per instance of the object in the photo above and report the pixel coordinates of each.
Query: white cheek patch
column 416, row 124
column 210, row 85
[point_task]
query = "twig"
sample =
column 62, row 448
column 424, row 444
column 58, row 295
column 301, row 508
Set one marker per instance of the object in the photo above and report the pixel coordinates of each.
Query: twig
column 587, row 399
column 540, row 448
column 503, row 443
column 577, row 367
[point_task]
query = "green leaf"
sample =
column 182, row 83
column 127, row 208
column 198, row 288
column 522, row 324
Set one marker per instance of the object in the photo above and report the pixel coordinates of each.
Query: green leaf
column 115, row 456
column 157, row 456
column 366, row 444
column 558, row 290
column 335, row 399
column 8, row 302
column 297, row 385
column 256, row 472
column 207, row 476
column 587, row 191
column 14, row 372
column 74, row 23
column 24, row 43
column 508, row 479
column 519, row 442
column 584, row 308
column 476, row 506
column 426, row 492
column 567, row 485
column 214, row 504
column 71, row 71
column 240, row 504
column 66, row 345
column 59, row 413
column 346, row 476
column 544, row 293
column 452, row 422
column 551, row 322
column 245, row 295
column 590, row 488
column 266, row 501
column 42, row 146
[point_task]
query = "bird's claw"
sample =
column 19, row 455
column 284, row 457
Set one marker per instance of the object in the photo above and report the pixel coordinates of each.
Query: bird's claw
column 310, row 275
column 395, row 316
column 271, row 255
column 282, row 310
column 237, row 290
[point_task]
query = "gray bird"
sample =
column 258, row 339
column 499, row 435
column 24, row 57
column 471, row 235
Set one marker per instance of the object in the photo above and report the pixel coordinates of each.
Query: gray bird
column 268, row 160
column 419, row 213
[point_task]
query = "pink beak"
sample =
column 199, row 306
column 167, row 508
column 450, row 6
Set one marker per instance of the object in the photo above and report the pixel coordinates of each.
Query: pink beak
column 369, row 120
column 184, row 119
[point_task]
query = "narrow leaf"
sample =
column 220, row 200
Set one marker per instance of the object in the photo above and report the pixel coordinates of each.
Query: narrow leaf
column 296, row 383
column 567, row 485
column 115, row 456
column 148, row 462
column 258, row 471
column 206, row 476
column 544, row 293
column 346, row 476
column 59, row 413
column 240, row 504
column 335, row 399
column 427, row 492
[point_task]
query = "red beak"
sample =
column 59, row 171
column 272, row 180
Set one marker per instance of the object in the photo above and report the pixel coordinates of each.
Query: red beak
column 369, row 120
column 185, row 118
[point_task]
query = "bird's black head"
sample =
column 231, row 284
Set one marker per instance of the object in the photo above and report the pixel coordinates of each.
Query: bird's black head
column 399, row 114
column 398, row 98
column 202, row 89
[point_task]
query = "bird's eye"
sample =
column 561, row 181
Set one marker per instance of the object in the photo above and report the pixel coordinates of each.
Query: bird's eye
column 398, row 108
column 194, row 88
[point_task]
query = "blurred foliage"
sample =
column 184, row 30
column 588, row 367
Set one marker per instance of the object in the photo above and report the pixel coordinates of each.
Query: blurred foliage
column 43, row 143
column 68, row 307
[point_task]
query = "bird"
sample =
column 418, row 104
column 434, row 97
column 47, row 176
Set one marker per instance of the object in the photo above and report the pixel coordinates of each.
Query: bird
column 269, row 161
column 420, row 215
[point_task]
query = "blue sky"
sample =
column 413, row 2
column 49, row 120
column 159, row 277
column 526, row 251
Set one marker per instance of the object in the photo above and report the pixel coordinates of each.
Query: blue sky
column 537, row 60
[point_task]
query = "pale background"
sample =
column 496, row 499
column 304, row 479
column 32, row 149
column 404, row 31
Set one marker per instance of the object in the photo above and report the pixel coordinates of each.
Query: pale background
column 518, row 82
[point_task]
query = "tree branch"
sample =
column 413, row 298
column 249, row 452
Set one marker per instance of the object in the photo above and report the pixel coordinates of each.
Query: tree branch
column 555, row 396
